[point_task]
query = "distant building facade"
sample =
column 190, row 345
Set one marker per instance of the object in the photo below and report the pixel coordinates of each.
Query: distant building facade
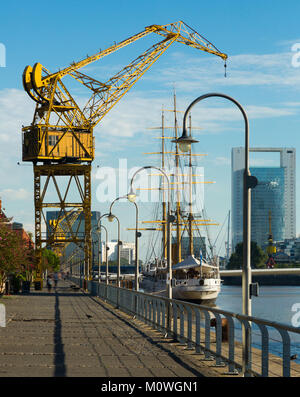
column 199, row 247
column 127, row 251
column 17, row 227
column 288, row 250
column 274, row 196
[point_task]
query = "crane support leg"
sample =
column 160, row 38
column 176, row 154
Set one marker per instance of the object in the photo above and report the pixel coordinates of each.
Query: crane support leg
column 44, row 176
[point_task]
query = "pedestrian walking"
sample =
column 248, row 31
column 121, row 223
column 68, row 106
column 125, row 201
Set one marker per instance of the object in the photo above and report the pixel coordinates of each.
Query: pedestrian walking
column 55, row 279
column 49, row 283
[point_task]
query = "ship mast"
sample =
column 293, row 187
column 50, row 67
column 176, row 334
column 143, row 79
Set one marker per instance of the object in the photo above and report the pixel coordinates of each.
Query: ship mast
column 164, row 212
column 190, row 216
column 189, row 223
column 177, row 217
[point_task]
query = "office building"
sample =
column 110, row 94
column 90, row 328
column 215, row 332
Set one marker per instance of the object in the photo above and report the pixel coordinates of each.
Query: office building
column 127, row 251
column 274, row 197
column 199, row 247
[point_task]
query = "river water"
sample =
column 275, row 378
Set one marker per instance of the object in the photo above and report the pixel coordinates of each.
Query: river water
column 274, row 303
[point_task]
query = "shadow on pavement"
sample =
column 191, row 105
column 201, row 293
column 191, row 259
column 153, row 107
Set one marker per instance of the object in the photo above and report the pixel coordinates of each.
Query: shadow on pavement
column 59, row 359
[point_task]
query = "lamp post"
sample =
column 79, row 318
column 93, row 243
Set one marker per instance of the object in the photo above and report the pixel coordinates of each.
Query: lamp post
column 137, row 235
column 99, row 226
column 111, row 217
column 184, row 143
column 98, row 230
column 98, row 237
column 132, row 196
column 106, row 249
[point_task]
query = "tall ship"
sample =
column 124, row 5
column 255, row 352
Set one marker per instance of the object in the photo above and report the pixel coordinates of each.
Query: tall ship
column 195, row 268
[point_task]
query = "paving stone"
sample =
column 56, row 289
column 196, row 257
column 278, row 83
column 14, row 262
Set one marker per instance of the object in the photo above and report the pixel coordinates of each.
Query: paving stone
column 51, row 335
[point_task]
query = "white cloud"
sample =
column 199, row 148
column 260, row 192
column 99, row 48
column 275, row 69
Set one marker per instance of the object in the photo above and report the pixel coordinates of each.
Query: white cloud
column 16, row 194
column 222, row 161
column 15, row 109
column 192, row 74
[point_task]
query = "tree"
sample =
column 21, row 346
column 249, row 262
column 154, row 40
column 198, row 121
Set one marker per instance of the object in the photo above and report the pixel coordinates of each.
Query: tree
column 123, row 262
column 50, row 260
column 15, row 255
column 258, row 257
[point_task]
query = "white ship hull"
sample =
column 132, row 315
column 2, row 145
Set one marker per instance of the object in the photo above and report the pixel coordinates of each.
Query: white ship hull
column 190, row 290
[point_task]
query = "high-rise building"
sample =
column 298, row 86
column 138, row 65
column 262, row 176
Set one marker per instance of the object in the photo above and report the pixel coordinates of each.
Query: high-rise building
column 199, row 247
column 127, row 251
column 273, row 198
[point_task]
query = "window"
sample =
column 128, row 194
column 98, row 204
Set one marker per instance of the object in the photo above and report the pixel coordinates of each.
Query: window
column 52, row 140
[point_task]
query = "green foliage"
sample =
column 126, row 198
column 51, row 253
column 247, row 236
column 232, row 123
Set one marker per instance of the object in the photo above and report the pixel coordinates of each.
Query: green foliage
column 15, row 256
column 286, row 265
column 258, row 257
column 123, row 262
column 50, row 260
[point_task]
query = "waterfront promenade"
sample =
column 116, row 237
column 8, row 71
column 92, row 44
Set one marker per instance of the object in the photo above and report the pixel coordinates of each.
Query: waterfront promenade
column 68, row 333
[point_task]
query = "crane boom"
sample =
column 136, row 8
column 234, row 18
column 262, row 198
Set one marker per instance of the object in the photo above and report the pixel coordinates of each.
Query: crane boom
column 61, row 134
column 184, row 34
column 61, row 131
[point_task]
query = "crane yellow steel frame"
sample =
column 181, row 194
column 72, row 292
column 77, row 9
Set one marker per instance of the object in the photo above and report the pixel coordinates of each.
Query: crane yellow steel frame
column 61, row 134
column 61, row 232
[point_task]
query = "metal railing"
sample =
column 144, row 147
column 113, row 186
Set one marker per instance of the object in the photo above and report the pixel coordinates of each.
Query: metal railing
column 191, row 325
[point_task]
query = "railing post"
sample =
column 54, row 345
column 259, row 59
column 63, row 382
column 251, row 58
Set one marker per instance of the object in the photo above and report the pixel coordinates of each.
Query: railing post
column 164, row 311
column 154, row 307
column 208, row 356
column 158, row 315
column 190, row 324
column 231, row 366
column 286, row 352
column 247, row 361
column 219, row 362
column 198, row 331
column 264, row 349
column 175, row 311
column 182, row 338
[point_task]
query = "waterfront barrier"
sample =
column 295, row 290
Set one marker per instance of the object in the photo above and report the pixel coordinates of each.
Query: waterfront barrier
column 190, row 324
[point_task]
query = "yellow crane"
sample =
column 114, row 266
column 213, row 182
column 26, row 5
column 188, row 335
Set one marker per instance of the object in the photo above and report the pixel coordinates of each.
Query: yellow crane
column 61, row 232
column 61, row 134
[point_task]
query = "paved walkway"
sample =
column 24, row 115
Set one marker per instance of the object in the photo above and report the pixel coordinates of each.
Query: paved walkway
column 68, row 333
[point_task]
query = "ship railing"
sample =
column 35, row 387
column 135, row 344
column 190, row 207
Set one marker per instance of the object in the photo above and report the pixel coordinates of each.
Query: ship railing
column 191, row 325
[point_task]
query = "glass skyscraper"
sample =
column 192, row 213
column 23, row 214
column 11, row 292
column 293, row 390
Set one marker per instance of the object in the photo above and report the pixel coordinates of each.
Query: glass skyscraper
column 275, row 194
column 267, row 199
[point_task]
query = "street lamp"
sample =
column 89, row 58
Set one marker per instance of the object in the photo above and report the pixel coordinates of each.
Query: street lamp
column 184, row 143
column 97, row 232
column 131, row 197
column 99, row 226
column 106, row 249
column 111, row 217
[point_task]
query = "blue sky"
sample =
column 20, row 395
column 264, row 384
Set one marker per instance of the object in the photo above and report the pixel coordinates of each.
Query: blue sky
column 258, row 37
